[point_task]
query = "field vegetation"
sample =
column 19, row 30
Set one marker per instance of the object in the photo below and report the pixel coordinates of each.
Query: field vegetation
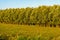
column 42, row 15
column 40, row 23
column 26, row 32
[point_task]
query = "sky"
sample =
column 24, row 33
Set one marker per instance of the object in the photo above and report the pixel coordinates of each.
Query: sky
column 26, row 3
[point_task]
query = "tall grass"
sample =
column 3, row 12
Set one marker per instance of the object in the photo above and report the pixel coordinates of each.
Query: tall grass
column 26, row 32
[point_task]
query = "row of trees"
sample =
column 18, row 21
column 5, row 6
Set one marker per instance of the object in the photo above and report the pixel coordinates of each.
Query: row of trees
column 42, row 15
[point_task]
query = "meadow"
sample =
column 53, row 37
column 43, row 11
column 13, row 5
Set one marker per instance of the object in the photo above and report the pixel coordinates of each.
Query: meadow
column 26, row 32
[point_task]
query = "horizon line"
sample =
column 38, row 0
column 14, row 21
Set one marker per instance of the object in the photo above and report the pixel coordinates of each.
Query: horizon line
column 27, row 6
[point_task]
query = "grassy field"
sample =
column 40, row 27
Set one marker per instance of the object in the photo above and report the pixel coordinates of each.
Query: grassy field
column 25, row 32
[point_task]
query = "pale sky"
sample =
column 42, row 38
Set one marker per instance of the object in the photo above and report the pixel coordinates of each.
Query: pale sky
column 26, row 3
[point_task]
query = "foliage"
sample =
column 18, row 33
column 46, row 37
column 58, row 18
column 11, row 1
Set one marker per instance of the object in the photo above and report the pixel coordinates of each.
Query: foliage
column 41, row 15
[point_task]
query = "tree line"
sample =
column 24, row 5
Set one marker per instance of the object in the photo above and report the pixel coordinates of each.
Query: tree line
column 42, row 15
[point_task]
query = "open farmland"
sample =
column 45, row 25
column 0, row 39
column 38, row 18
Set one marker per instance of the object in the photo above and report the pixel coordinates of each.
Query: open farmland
column 29, row 19
column 40, row 23
column 25, row 32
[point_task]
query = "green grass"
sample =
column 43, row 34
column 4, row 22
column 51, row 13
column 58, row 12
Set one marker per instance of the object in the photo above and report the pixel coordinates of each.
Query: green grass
column 26, row 32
